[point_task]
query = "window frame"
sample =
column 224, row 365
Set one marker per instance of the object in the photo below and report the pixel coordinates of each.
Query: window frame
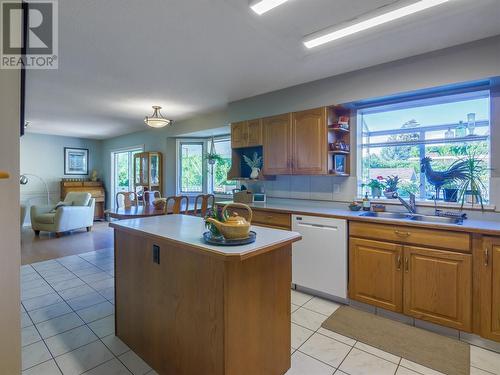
column 190, row 141
column 413, row 101
column 207, row 177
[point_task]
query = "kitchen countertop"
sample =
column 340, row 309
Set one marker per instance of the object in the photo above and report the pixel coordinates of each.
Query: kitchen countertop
column 340, row 211
column 188, row 230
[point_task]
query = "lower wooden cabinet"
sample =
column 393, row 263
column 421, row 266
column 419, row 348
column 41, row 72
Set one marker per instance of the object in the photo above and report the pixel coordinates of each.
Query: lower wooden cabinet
column 375, row 275
column 488, row 259
column 428, row 284
column 438, row 286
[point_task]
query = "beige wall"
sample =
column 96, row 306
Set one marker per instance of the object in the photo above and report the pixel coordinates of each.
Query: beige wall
column 10, row 252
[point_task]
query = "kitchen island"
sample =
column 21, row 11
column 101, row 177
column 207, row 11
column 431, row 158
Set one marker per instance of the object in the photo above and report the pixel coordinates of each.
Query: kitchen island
column 187, row 307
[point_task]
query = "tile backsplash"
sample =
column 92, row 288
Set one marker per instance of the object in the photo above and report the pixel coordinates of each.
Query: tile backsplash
column 326, row 188
column 344, row 189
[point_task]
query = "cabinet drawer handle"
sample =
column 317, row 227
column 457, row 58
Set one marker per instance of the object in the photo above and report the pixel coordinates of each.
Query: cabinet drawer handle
column 407, row 264
column 486, row 257
column 399, row 263
column 402, row 234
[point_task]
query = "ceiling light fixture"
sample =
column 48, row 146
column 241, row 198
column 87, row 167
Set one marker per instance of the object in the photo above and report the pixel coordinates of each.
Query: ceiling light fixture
column 156, row 120
column 262, row 6
column 321, row 38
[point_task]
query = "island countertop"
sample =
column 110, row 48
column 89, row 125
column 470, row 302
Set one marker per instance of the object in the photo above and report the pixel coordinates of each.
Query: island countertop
column 188, row 230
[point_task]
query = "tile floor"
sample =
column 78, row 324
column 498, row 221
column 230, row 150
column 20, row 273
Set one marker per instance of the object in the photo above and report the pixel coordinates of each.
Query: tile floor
column 68, row 328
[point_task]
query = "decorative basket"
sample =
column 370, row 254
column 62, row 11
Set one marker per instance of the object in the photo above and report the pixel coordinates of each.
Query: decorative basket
column 244, row 196
column 160, row 204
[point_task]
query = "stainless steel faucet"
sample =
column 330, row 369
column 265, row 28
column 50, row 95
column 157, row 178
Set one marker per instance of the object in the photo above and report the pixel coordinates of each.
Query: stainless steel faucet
column 411, row 207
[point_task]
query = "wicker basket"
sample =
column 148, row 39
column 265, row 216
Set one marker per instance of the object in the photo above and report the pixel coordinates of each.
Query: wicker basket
column 244, row 196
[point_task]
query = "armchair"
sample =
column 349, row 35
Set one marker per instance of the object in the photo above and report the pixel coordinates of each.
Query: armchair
column 79, row 213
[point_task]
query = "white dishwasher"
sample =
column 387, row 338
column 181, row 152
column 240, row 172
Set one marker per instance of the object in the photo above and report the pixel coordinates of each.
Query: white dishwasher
column 319, row 260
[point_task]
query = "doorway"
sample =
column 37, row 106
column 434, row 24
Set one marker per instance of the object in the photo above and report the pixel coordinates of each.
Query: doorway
column 122, row 167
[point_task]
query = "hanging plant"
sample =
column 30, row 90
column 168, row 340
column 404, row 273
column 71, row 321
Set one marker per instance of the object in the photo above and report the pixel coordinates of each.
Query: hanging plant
column 213, row 157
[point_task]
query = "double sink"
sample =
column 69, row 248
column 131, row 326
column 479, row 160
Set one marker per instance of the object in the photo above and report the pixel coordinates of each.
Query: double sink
column 414, row 217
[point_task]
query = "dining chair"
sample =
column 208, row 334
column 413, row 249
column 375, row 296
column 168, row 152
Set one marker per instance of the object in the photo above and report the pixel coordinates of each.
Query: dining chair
column 126, row 199
column 149, row 196
column 205, row 204
column 177, row 205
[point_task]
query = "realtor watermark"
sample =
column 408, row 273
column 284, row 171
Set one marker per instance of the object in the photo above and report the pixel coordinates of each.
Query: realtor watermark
column 29, row 34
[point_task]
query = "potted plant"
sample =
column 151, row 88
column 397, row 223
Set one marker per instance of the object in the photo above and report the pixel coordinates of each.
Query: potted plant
column 213, row 158
column 215, row 213
column 255, row 163
column 376, row 186
column 471, row 188
column 391, row 186
column 450, row 192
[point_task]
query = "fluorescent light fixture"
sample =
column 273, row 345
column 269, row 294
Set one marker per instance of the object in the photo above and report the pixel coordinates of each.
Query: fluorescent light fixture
column 319, row 39
column 262, row 6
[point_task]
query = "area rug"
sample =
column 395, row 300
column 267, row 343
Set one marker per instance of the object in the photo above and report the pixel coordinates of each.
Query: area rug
column 429, row 349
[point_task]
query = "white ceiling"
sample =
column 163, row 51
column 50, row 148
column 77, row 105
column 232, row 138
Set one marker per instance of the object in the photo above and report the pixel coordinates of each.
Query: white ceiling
column 117, row 58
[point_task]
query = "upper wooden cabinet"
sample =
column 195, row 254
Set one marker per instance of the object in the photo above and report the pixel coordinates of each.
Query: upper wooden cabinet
column 375, row 274
column 309, row 142
column 487, row 259
column 246, row 134
column 254, row 133
column 277, row 144
column 438, row 286
column 239, row 134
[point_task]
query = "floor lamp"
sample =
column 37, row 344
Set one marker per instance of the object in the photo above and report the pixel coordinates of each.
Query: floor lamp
column 23, row 180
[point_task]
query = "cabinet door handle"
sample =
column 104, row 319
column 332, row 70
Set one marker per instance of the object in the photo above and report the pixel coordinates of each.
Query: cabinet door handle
column 486, row 257
column 402, row 234
column 399, row 263
column 407, row 264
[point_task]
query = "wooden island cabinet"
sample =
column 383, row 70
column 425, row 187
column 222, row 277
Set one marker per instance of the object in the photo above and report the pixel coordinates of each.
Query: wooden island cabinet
column 186, row 307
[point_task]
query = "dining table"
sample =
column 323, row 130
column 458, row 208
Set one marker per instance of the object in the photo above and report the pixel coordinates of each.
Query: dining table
column 135, row 212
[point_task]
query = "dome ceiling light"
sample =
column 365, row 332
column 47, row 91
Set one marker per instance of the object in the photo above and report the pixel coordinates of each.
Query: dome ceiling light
column 156, row 120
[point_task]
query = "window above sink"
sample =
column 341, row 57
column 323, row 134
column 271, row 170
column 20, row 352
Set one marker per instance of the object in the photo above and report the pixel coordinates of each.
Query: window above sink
column 393, row 139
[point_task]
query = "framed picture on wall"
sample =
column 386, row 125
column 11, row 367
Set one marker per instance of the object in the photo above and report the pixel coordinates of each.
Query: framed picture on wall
column 339, row 163
column 76, row 161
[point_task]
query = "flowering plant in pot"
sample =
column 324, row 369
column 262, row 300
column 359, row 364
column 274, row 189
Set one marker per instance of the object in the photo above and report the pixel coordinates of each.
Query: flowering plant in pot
column 391, row 186
column 376, row 185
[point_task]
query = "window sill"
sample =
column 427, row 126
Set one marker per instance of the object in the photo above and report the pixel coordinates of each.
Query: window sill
column 439, row 204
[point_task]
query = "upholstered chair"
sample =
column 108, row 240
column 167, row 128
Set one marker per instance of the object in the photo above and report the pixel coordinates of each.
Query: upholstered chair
column 75, row 212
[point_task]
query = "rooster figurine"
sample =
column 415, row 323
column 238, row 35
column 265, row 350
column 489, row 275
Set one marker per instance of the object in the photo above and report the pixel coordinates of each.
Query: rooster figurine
column 456, row 172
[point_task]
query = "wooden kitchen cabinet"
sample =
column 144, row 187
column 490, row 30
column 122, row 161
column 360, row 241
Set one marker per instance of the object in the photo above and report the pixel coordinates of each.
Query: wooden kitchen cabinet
column 438, row 286
column 375, row 275
column 254, row 133
column 400, row 269
column 309, row 142
column 277, row 144
column 246, row 134
column 488, row 262
column 239, row 134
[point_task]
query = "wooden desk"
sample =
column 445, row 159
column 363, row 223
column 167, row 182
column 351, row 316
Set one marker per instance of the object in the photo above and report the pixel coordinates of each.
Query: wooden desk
column 135, row 212
column 95, row 188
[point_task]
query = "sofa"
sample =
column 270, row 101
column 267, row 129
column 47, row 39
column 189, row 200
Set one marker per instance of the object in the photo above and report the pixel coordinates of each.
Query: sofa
column 75, row 212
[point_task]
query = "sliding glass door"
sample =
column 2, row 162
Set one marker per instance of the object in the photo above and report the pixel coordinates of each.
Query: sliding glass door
column 123, row 171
